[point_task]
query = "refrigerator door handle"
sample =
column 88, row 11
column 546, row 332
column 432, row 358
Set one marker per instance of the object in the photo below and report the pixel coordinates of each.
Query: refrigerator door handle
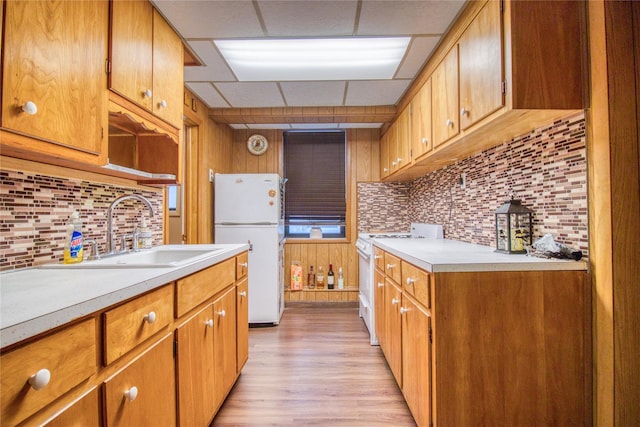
column 250, row 245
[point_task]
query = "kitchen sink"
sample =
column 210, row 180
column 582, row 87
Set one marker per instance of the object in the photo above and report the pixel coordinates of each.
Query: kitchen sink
column 159, row 257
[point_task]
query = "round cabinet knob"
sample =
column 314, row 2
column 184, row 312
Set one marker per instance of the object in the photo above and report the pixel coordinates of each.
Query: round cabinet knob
column 244, row 265
column 385, row 169
column 30, row 108
column 393, row 163
column 403, row 310
column 380, row 284
column 131, row 394
column 243, row 294
column 425, row 141
column 394, row 301
column 148, row 93
column 464, row 112
column 222, row 313
column 377, row 256
column 40, row 379
column 209, row 323
column 390, row 266
column 163, row 104
column 410, row 281
column 449, row 123
column 151, row 317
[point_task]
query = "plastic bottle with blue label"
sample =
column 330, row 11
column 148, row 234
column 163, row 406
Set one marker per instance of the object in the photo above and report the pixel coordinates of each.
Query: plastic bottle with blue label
column 73, row 245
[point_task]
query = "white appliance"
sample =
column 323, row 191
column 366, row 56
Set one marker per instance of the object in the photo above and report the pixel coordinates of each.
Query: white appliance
column 367, row 267
column 248, row 208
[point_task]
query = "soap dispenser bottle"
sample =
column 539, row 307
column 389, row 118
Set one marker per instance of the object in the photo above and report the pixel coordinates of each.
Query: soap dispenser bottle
column 145, row 241
column 73, row 245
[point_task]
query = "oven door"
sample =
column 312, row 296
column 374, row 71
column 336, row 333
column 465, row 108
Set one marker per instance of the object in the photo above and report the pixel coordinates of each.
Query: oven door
column 365, row 282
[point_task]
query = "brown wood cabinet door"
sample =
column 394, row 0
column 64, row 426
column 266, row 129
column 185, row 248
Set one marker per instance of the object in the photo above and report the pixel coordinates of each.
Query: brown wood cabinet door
column 85, row 412
column 54, row 56
column 421, row 139
column 481, row 70
column 393, row 147
column 167, row 72
column 224, row 343
column 144, row 392
column 380, row 305
column 132, row 62
column 384, row 155
column 242, row 313
column 445, row 99
column 195, row 369
column 393, row 330
column 403, row 144
column 416, row 360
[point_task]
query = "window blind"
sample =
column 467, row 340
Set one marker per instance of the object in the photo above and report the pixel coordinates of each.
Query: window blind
column 314, row 164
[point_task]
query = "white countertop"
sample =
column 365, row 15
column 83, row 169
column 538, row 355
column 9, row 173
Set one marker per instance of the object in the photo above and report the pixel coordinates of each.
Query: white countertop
column 442, row 255
column 35, row 300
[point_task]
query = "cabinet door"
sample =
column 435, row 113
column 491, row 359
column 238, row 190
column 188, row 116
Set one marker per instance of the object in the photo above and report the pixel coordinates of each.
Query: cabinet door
column 167, row 72
column 54, row 56
column 481, row 70
column 132, row 51
column 384, row 155
column 143, row 392
column 393, row 330
column 403, row 144
column 380, row 307
column 421, row 140
column 224, row 343
column 445, row 99
column 393, row 147
column 416, row 360
column 242, row 328
column 85, row 412
column 195, row 366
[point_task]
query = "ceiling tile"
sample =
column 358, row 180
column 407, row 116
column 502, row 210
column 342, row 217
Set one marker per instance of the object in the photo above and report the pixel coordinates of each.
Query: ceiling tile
column 378, row 92
column 214, row 68
column 308, row 18
column 251, row 94
column 419, row 51
column 317, row 94
column 208, row 94
column 212, row 19
column 398, row 17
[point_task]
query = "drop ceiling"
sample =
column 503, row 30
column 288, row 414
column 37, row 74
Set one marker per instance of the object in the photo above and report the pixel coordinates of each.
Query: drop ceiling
column 201, row 22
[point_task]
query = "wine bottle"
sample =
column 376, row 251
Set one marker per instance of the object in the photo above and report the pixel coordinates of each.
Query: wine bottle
column 311, row 278
column 331, row 277
column 340, row 279
column 320, row 278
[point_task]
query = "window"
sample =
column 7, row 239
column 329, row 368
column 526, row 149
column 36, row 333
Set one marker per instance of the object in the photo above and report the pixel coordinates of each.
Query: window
column 314, row 166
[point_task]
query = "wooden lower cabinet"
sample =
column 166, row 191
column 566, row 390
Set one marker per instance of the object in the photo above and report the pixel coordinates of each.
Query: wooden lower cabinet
column 224, row 344
column 195, row 369
column 84, row 412
column 143, row 392
column 242, row 323
column 493, row 348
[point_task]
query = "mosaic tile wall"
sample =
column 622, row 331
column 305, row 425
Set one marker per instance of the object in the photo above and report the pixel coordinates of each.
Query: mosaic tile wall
column 546, row 169
column 383, row 206
column 34, row 210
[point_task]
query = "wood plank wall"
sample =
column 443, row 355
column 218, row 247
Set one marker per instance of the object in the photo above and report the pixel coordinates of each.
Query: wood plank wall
column 363, row 165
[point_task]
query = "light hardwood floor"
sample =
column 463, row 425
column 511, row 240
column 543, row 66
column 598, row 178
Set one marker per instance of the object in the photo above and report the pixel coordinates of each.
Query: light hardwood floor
column 315, row 369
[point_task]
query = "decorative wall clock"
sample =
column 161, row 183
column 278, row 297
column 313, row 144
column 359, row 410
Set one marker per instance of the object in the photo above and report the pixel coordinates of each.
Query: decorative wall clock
column 257, row 144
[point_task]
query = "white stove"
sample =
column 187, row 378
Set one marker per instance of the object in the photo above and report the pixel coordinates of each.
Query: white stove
column 366, row 266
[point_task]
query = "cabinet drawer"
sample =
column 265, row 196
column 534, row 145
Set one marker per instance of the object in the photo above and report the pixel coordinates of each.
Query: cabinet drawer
column 378, row 256
column 392, row 267
column 242, row 265
column 131, row 323
column 70, row 356
column 197, row 288
column 416, row 282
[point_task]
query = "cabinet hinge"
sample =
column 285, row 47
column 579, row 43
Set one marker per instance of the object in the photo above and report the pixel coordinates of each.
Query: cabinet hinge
column 501, row 6
column 504, row 87
column 175, row 348
column 430, row 335
column 107, row 64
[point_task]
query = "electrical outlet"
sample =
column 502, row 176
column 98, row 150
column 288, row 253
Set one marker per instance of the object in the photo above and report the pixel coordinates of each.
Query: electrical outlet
column 463, row 180
column 210, row 175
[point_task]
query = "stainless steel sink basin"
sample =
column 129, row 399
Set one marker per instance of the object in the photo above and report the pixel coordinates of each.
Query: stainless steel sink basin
column 159, row 257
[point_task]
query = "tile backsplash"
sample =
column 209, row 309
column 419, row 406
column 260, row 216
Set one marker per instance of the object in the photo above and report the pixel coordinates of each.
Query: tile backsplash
column 546, row 169
column 34, row 210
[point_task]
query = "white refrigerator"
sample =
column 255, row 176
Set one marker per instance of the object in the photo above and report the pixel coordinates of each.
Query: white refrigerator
column 248, row 208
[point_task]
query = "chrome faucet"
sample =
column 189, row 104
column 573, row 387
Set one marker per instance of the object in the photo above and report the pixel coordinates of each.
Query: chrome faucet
column 110, row 236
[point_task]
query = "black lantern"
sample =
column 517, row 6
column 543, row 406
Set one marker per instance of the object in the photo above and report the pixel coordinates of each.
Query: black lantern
column 514, row 227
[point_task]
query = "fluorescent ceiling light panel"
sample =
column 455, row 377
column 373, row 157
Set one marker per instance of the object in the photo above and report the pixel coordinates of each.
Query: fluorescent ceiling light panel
column 360, row 58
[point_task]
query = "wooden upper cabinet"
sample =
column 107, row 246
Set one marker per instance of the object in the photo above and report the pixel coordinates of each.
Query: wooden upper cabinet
column 481, row 70
column 146, row 60
column 385, row 166
column 403, row 143
column 131, row 52
column 444, row 99
column 421, row 137
column 168, row 75
column 54, row 57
